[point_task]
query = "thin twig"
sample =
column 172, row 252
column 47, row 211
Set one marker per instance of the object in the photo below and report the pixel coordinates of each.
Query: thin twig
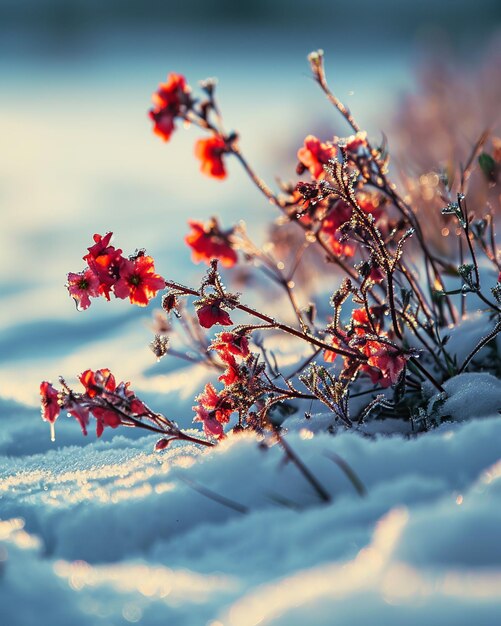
column 216, row 497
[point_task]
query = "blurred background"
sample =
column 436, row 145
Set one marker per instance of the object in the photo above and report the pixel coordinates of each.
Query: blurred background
column 78, row 155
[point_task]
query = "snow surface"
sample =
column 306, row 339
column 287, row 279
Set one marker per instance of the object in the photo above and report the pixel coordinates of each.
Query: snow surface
column 112, row 533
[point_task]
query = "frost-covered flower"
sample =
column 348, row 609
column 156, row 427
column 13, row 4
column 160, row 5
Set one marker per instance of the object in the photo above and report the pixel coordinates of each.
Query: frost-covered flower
column 212, row 313
column 138, row 280
column 231, row 373
column 388, row 362
column 221, row 405
column 314, row 154
column 97, row 382
column 82, row 287
column 212, row 428
column 105, row 262
column 80, row 412
column 232, row 343
column 212, row 411
column 356, row 144
column 50, row 404
column 105, row 417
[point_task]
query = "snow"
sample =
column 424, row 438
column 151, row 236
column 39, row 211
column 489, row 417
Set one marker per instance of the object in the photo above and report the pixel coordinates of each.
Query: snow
column 112, row 533
column 471, row 395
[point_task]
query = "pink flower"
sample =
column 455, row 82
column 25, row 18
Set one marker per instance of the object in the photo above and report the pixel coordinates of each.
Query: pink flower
column 212, row 428
column 82, row 287
column 388, row 360
column 50, row 405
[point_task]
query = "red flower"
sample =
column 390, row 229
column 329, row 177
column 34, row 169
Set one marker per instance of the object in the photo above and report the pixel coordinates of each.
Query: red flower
column 369, row 203
column 220, row 406
column 83, row 286
column 210, row 152
column 209, row 398
column 211, row 313
column 134, row 405
column 231, row 374
column 232, row 343
column 138, row 280
column 330, row 355
column 50, row 405
column 208, row 242
column 361, row 322
column 101, row 385
column 97, row 382
column 337, row 215
column 357, row 144
column 168, row 101
column 80, row 413
column 105, row 262
column 388, row 361
column 105, row 417
column 314, row 154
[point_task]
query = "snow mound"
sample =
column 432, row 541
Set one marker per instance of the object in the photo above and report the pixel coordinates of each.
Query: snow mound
column 470, row 395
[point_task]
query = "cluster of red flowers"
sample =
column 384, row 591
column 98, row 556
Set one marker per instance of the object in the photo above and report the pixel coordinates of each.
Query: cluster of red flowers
column 109, row 272
column 314, row 154
column 342, row 208
column 385, row 362
column 339, row 213
column 214, row 409
column 108, row 402
column 173, row 100
column 208, row 242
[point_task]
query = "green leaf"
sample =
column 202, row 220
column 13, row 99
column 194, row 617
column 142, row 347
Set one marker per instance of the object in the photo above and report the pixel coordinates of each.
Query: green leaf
column 488, row 166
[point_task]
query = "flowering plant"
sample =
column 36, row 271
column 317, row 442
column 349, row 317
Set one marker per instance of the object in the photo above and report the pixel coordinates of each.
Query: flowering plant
column 385, row 336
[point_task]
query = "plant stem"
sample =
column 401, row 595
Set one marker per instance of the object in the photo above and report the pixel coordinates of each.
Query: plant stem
column 323, row 494
column 425, row 373
column 274, row 324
